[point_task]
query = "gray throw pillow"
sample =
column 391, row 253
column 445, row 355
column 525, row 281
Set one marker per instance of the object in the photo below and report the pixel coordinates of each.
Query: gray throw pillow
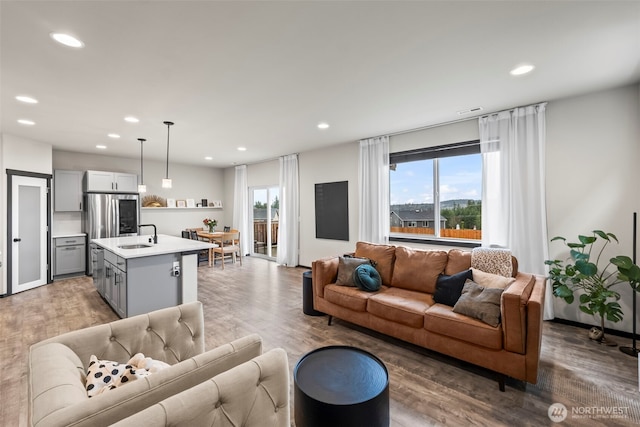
column 480, row 303
column 346, row 267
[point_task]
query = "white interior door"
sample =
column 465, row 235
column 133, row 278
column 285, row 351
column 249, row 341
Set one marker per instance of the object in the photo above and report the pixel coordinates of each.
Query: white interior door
column 28, row 233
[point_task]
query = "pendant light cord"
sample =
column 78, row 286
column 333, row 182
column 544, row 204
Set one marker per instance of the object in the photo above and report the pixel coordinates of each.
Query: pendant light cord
column 168, row 127
column 141, row 164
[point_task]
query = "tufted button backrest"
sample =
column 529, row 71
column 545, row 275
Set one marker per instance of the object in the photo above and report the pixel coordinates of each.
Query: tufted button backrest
column 253, row 394
column 172, row 334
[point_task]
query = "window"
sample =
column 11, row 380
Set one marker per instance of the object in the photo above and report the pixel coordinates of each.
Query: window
column 435, row 193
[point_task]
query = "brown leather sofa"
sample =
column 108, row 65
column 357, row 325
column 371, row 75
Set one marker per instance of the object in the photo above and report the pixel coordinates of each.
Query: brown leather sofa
column 404, row 308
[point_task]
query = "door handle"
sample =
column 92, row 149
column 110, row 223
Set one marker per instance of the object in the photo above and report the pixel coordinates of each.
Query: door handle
column 17, row 239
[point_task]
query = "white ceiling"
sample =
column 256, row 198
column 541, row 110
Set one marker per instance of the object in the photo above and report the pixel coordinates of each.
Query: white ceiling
column 263, row 74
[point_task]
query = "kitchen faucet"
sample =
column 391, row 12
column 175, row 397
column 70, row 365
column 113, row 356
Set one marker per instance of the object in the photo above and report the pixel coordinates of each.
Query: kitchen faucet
column 155, row 234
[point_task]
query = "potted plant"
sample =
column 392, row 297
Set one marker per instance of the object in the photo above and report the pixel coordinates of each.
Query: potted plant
column 582, row 272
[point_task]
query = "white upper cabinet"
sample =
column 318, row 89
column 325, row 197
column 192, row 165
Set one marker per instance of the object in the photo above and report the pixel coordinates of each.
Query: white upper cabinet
column 111, row 182
column 67, row 191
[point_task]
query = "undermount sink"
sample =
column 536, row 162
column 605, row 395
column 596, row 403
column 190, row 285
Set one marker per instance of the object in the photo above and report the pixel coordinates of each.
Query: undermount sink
column 134, row 246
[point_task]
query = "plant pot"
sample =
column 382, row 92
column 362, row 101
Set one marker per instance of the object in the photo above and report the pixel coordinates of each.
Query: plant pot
column 596, row 334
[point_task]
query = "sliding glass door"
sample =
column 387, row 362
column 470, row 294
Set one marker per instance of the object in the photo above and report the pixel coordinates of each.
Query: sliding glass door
column 264, row 212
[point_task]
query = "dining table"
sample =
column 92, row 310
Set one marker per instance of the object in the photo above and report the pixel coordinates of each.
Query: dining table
column 213, row 237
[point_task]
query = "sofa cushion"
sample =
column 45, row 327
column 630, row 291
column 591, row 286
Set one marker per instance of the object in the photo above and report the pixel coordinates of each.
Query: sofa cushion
column 401, row 306
column 367, row 278
column 346, row 267
column 449, row 288
column 441, row 319
column 348, row 297
column 480, row 303
column 489, row 280
column 457, row 261
column 383, row 255
column 418, row 270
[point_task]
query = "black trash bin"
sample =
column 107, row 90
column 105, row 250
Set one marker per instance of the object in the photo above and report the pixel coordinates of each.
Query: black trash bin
column 307, row 295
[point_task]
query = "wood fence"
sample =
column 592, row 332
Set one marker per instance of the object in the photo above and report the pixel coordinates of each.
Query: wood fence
column 445, row 232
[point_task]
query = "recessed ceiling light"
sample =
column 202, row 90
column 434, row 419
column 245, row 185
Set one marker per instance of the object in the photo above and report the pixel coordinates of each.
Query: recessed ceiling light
column 26, row 122
column 67, row 40
column 208, row 158
column 242, row 148
column 113, row 135
column 323, row 125
column 522, row 69
column 27, row 99
column 131, row 119
column 101, row 147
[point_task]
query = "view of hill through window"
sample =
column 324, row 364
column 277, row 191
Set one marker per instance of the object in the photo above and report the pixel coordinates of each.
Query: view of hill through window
column 459, row 202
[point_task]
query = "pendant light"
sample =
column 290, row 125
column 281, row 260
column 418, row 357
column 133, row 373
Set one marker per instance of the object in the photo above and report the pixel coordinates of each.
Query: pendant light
column 141, row 187
column 166, row 182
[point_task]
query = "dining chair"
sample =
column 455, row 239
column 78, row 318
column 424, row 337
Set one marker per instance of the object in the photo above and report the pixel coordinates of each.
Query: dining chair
column 203, row 255
column 229, row 245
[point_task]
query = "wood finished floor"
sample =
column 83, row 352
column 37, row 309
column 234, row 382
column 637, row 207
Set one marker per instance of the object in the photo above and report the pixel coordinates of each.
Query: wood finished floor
column 260, row 297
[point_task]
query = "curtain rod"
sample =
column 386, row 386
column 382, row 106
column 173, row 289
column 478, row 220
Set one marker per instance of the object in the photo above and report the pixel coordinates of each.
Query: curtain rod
column 451, row 122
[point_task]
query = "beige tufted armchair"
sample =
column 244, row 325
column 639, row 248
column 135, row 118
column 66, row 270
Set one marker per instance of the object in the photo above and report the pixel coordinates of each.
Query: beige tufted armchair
column 254, row 394
column 57, row 366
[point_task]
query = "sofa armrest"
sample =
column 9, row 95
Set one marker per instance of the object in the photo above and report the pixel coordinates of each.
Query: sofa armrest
column 255, row 393
column 171, row 334
column 129, row 399
column 324, row 272
column 513, row 307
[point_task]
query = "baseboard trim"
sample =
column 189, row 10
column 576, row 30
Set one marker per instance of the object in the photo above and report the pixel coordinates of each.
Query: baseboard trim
column 588, row 326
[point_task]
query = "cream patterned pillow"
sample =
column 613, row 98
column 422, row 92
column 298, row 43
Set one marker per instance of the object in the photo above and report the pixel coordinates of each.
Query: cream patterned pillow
column 492, row 260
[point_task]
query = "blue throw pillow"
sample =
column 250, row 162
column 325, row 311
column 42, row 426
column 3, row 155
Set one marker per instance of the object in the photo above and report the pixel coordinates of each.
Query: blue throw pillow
column 367, row 278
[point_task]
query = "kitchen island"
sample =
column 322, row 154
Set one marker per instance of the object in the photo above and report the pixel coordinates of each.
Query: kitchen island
column 135, row 275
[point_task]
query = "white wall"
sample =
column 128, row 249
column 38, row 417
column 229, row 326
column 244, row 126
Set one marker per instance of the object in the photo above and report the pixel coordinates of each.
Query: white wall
column 24, row 155
column 593, row 151
column 189, row 182
column 337, row 163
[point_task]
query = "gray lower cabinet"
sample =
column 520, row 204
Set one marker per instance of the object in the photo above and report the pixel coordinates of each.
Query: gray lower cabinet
column 139, row 285
column 69, row 255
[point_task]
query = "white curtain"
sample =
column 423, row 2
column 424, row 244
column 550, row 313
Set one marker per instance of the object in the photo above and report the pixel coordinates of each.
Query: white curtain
column 374, row 190
column 289, row 212
column 513, row 193
column 241, row 207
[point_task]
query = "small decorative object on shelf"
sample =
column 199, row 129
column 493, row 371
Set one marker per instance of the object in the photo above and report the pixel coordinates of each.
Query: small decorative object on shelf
column 153, row 201
column 171, row 203
column 181, row 203
column 211, row 223
column 191, row 203
column 204, row 203
column 216, row 203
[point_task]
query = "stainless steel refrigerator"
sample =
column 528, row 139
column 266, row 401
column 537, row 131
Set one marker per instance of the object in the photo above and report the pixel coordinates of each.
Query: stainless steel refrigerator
column 109, row 215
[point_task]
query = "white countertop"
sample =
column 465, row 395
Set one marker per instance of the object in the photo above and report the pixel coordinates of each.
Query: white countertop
column 166, row 245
